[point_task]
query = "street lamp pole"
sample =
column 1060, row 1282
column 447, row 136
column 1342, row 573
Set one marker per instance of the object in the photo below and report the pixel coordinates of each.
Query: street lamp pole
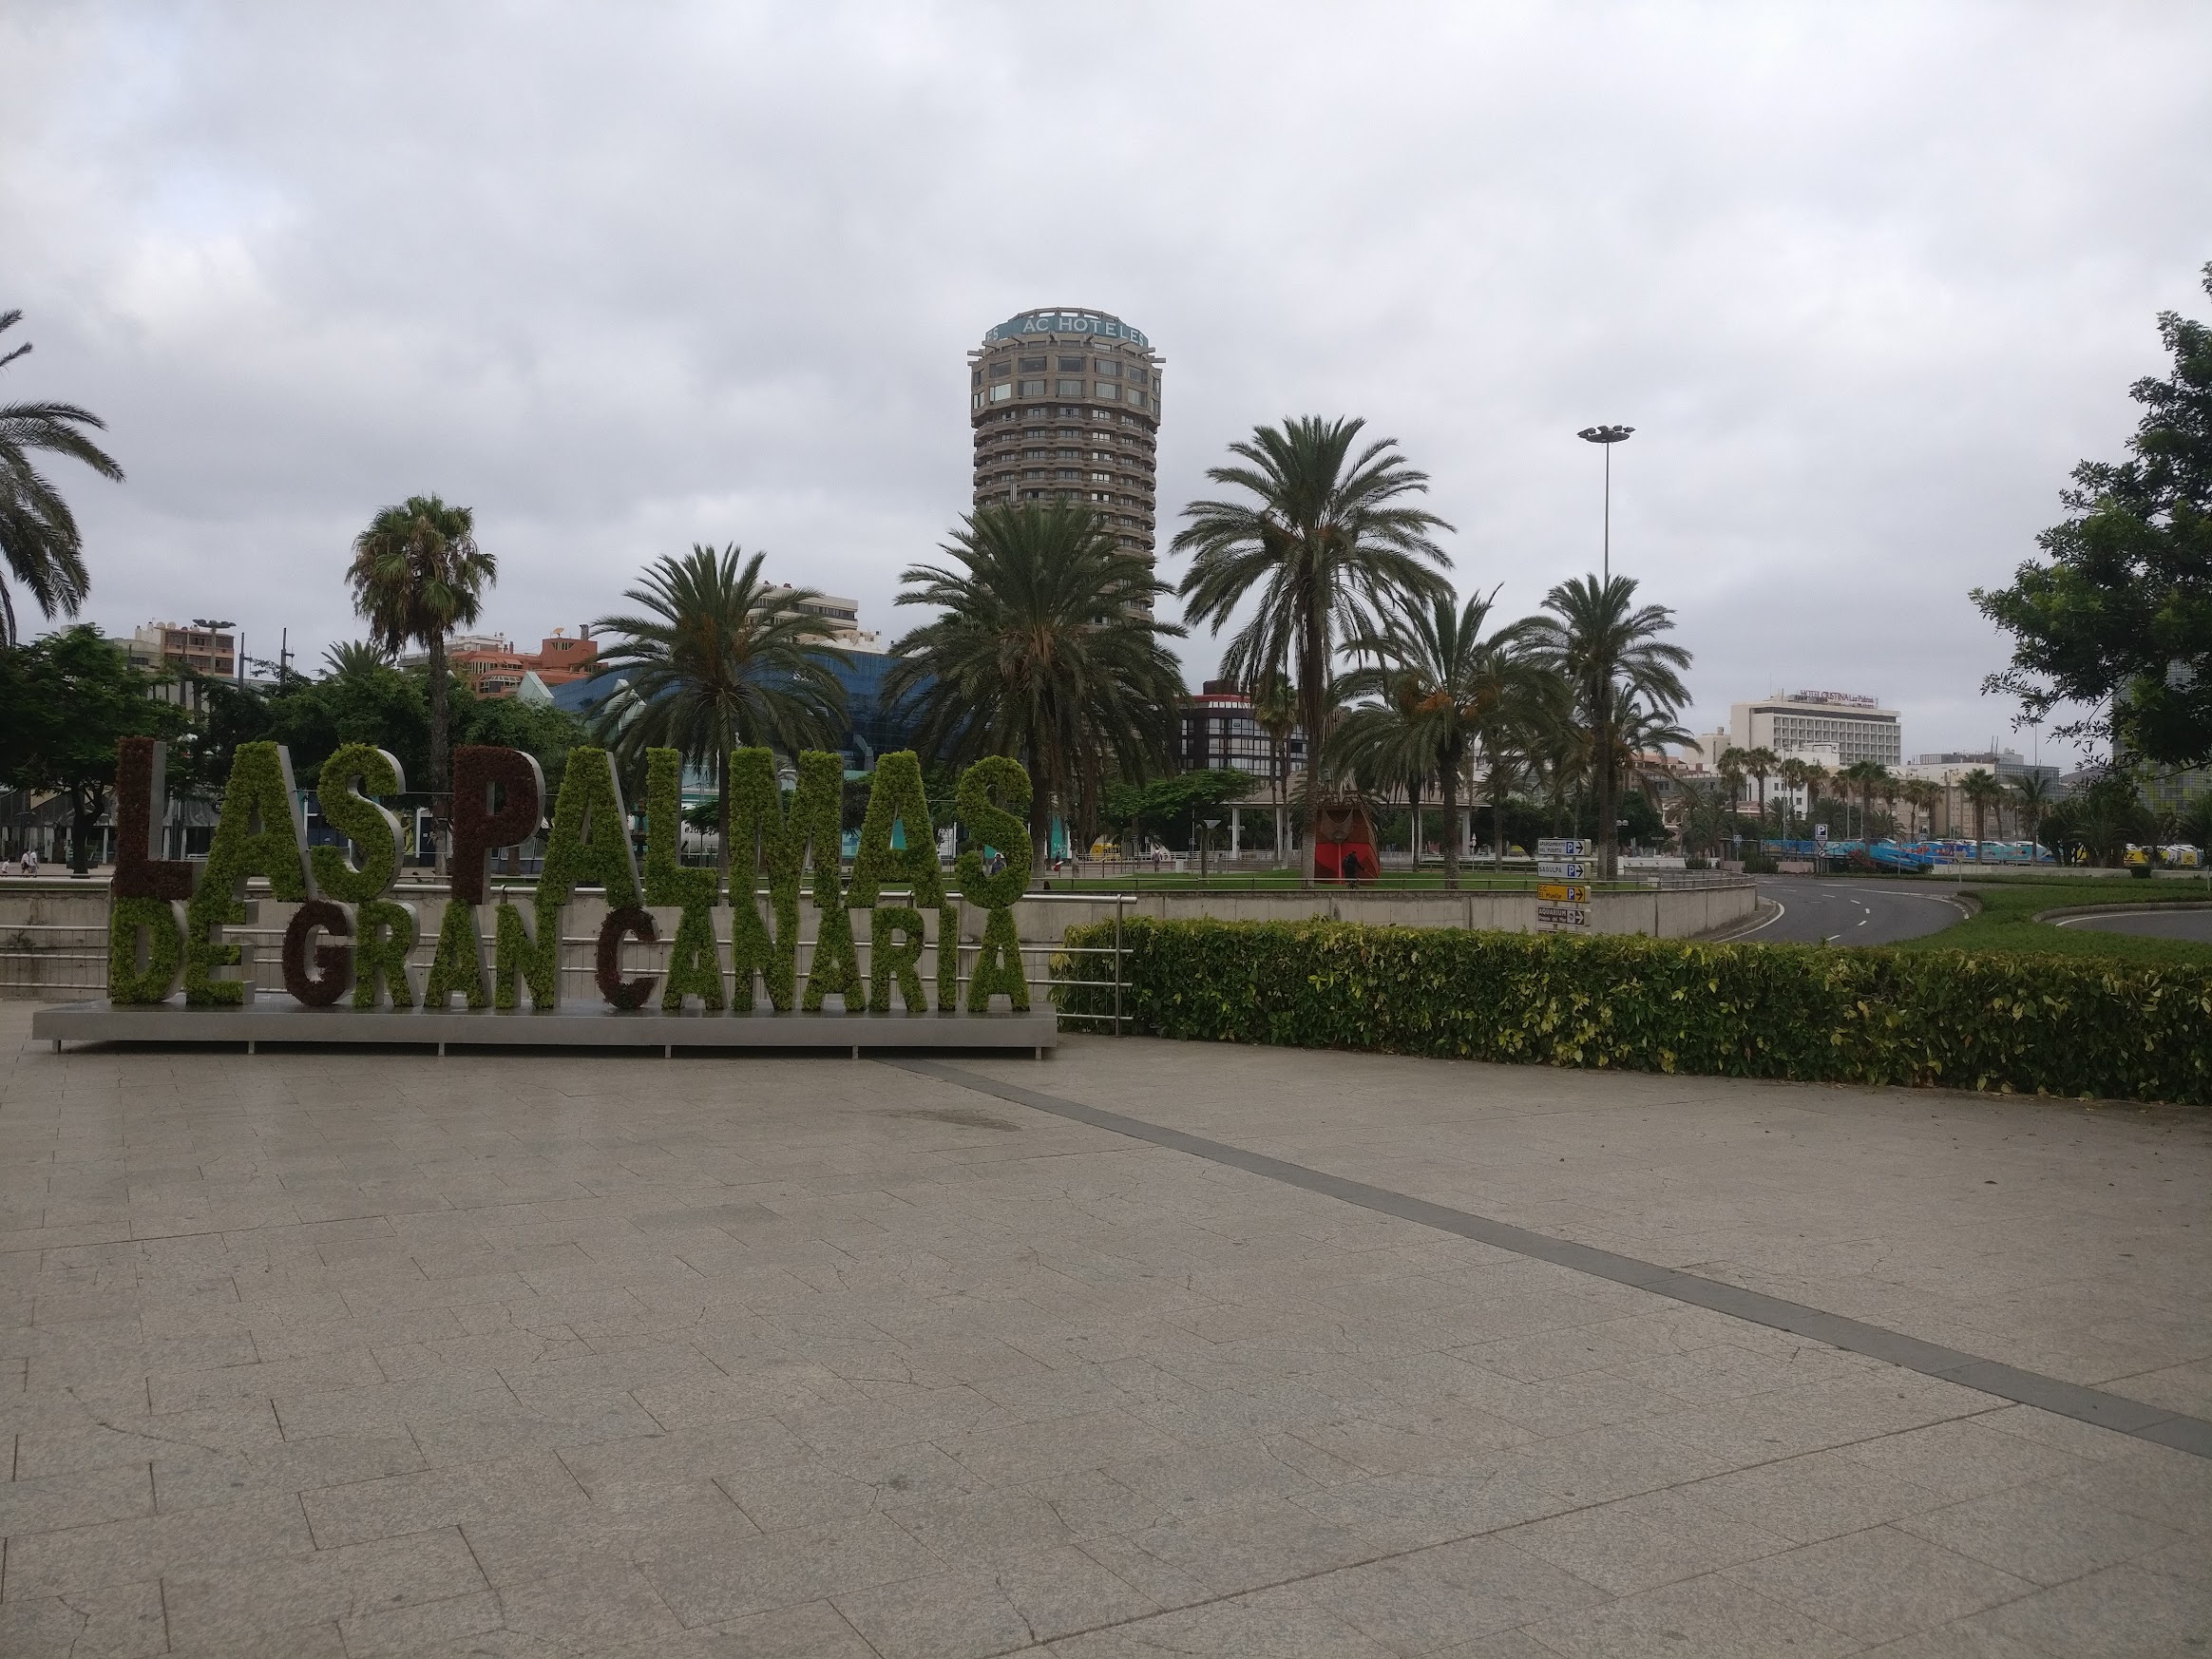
column 1607, row 437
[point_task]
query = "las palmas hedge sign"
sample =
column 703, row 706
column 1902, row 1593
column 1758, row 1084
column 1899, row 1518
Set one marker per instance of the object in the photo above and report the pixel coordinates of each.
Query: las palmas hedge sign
column 346, row 944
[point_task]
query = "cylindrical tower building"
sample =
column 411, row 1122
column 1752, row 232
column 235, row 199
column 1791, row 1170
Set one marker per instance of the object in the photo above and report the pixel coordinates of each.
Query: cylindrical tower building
column 1066, row 407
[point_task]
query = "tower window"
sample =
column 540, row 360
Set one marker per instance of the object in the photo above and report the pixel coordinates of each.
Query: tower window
column 1033, row 365
column 1000, row 369
column 1072, row 365
column 1108, row 367
column 1070, row 388
column 1030, row 389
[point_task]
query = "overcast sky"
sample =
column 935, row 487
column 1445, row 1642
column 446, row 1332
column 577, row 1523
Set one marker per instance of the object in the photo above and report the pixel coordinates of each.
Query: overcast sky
column 1867, row 281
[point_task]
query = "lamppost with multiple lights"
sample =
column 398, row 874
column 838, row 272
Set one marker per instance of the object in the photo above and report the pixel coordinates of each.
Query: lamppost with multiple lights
column 1608, row 436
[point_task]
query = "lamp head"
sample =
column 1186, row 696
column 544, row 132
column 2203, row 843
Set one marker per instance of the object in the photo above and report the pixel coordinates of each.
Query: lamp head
column 1604, row 434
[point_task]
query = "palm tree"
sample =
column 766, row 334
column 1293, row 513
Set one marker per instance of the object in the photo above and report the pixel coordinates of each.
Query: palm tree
column 2033, row 794
column 1046, row 651
column 1760, row 763
column 1927, row 795
column 1600, row 638
column 1325, row 540
column 1793, row 779
column 1869, row 775
column 1891, row 788
column 355, row 659
column 39, row 541
column 1275, row 711
column 1705, row 815
column 1506, row 761
column 1982, row 792
column 1732, row 769
column 417, row 575
column 1390, row 742
column 716, row 660
column 1643, row 734
column 1816, row 781
column 1467, row 692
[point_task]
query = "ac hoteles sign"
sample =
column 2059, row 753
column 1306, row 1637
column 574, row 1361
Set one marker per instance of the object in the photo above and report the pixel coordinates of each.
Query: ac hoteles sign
column 349, row 940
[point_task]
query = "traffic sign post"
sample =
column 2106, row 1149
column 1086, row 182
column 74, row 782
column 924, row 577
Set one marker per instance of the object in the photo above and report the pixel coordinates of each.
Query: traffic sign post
column 1564, row 873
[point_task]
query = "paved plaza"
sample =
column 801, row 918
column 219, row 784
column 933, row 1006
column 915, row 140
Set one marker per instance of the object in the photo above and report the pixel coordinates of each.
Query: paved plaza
column 316, row 1355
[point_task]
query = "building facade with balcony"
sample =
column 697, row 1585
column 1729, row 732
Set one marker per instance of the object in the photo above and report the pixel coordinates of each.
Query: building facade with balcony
column 494, row 667
column 1066, row 406
column 842, row 614
column 203, row 651
column 1803, row 723
column 1218, row 733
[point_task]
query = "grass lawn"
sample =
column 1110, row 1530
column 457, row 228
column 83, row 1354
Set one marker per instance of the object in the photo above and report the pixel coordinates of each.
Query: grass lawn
column 2009, row 903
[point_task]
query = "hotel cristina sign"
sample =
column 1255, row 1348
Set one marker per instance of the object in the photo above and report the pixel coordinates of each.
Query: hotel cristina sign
column 732, row 975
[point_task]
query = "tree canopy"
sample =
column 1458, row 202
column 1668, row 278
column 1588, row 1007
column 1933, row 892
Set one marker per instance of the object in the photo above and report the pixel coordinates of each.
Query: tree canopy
column 2118, row 617
column 40, row 546
column 64, row 701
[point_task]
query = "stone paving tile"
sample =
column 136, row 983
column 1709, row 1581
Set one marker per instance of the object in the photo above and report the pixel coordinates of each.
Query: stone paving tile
column 1640, row 1543
column 1880, row 1583
column 2024, row 1534
column 509, row 1358
column 1710, row 1618
column 1427, row 1599
column 114, row 1621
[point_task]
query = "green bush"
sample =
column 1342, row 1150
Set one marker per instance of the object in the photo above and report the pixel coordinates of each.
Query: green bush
column 2001, row 1021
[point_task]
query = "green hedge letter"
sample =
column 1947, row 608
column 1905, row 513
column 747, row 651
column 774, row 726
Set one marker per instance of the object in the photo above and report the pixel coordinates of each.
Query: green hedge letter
column 1001, row 829
column 259, row 834
column 385, row 932
column 154, row 923
column 347, row 779
column 761, row 832
column 895, row 797
column 999, row 967
column 695, row 963
column 459, row 965
column 902, row 960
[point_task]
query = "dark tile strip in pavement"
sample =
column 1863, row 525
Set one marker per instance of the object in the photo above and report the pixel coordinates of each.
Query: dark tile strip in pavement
column 2093, row 1405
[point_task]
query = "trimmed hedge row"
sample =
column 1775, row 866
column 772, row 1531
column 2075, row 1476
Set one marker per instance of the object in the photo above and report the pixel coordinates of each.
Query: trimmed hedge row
column 2030, row 1025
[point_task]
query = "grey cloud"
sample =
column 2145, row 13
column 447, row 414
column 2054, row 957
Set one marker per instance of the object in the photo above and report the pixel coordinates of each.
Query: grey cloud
column 1867, row 283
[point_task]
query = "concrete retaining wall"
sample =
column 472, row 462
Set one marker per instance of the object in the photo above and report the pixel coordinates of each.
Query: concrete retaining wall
column 1663, row 912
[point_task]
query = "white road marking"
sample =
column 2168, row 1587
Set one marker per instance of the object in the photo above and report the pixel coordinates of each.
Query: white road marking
column 1779, row 911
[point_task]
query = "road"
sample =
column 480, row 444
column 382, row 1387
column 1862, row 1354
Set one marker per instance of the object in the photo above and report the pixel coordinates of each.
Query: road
column 2194, row 925
column 1848, row 910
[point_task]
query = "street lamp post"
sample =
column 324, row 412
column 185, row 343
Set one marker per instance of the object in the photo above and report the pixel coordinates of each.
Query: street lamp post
column 1607, row 437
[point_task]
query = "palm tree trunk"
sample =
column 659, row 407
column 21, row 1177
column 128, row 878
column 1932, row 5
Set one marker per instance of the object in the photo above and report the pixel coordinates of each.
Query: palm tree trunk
column 1413, row 824
column 1609, row 854
column 1281, row 751
column 441, row 721
column 723, row 820
column 1314, row 694
column 1451, row 792
column 1039, row 823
